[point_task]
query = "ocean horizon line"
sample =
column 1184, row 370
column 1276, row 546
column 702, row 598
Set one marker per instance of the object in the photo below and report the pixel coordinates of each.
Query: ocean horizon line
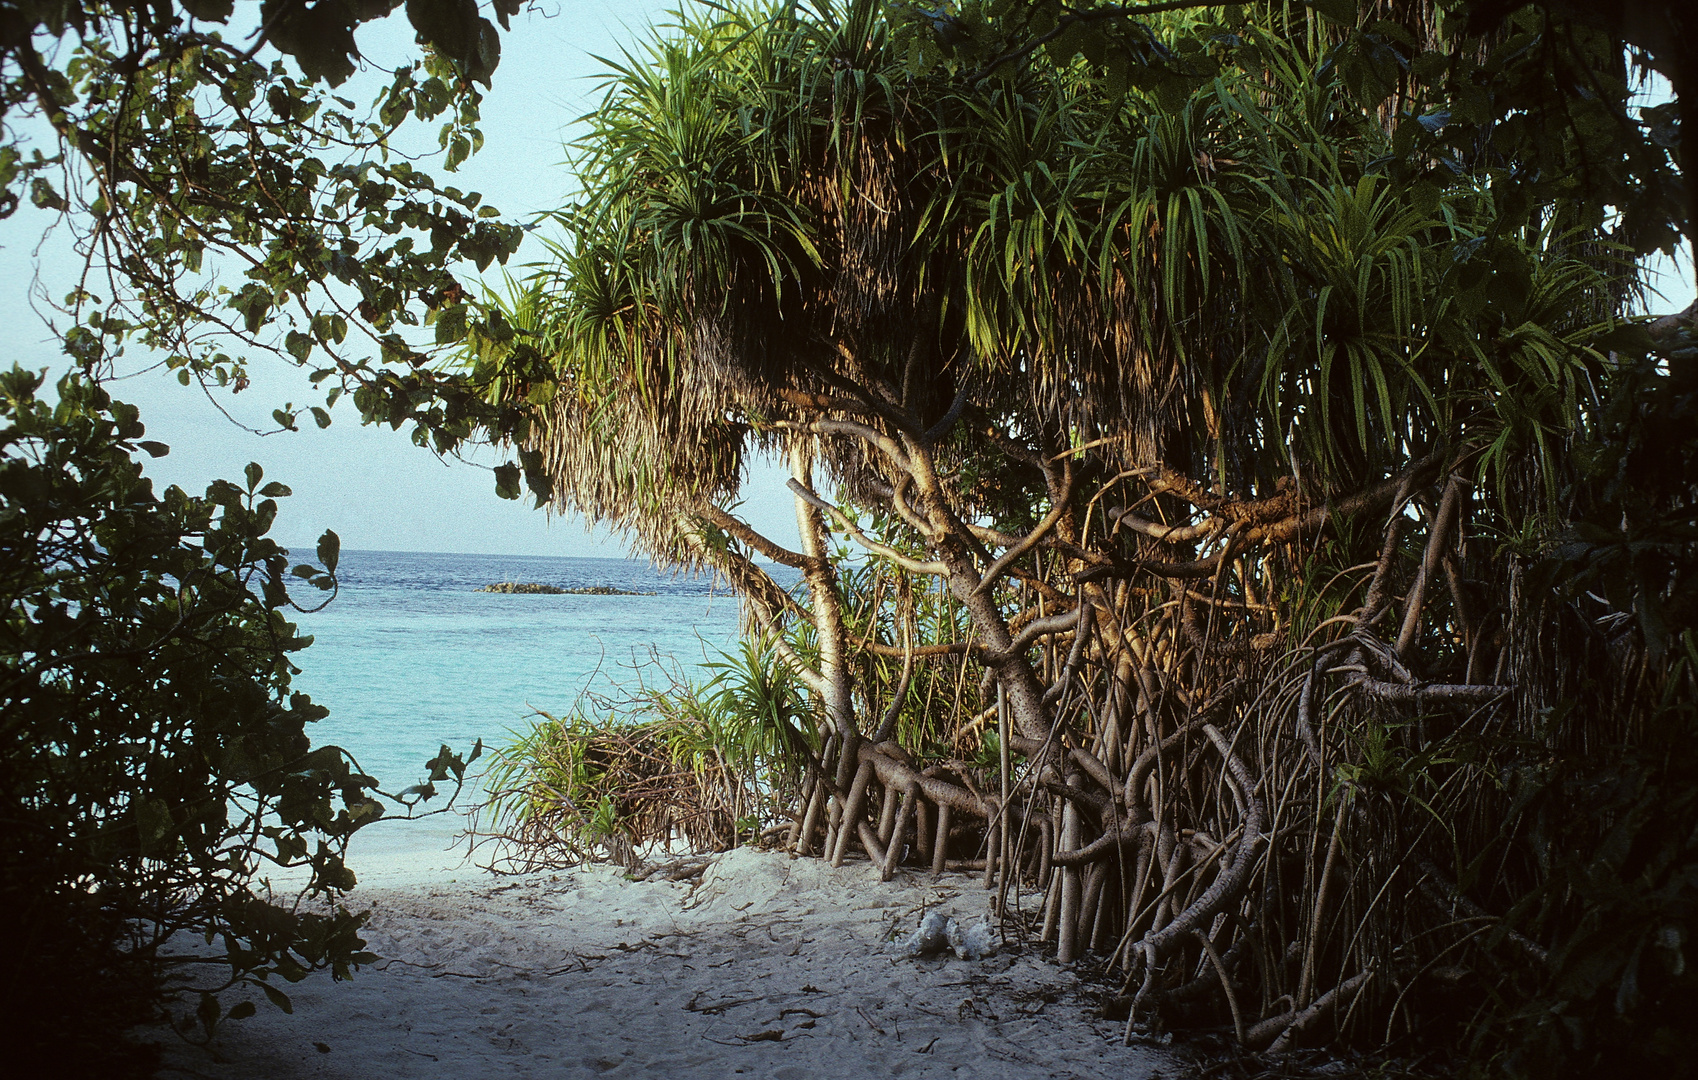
column 311, row 547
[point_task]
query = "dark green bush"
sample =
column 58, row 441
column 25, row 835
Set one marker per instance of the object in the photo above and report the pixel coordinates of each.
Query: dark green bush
column 153, row 759
column 1606, row 802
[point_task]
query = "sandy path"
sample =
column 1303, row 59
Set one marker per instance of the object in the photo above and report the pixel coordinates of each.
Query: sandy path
column 768, row 968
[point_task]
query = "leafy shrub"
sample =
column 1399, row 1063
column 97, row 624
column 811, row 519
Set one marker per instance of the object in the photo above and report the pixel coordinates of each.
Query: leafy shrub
column 713, row 764
column 154, row 758
column 1620, row 991
column 1611, row 816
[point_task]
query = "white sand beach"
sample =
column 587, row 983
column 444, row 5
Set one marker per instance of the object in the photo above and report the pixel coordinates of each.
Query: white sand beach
column 764, row 967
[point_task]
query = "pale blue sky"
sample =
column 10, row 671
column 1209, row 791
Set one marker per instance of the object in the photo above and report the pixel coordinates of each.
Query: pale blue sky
column 371, row 485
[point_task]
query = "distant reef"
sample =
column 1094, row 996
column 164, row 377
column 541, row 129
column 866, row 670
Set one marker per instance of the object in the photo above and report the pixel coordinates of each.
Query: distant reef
column 555, row 590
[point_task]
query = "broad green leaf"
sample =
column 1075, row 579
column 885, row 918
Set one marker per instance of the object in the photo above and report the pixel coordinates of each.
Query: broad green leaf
column 329, row 550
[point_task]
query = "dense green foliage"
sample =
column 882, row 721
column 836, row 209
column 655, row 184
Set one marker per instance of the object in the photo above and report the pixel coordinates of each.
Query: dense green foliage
column 155, row 764
column 229, row 203
column 1532, row 97
column 1240, row 271
column 1613, row 814
column 1256, row 411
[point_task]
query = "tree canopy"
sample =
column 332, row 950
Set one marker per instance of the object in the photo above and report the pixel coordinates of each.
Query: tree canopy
column 1241, row 385
column 1536, row 98
column 231, row 204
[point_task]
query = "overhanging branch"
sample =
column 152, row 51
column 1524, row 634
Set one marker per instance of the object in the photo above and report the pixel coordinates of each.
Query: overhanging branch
column 935, row 569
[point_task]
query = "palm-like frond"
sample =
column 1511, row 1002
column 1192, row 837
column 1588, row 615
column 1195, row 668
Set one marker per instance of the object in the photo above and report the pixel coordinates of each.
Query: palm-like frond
column 1227, row 306
column 776, row 207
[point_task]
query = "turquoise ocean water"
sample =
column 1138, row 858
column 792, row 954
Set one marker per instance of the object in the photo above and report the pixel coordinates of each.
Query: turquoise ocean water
column 410, row 656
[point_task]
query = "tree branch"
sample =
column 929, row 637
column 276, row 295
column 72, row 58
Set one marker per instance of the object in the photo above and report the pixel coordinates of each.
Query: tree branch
column 935, row 569
column 742, row 531
column 1465, row 693
column 1029, row 541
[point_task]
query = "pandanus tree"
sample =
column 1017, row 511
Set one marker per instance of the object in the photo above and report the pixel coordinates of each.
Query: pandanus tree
column 1203, row 407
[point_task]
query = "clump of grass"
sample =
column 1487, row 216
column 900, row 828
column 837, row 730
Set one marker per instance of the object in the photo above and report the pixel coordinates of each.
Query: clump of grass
column 704, row 765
